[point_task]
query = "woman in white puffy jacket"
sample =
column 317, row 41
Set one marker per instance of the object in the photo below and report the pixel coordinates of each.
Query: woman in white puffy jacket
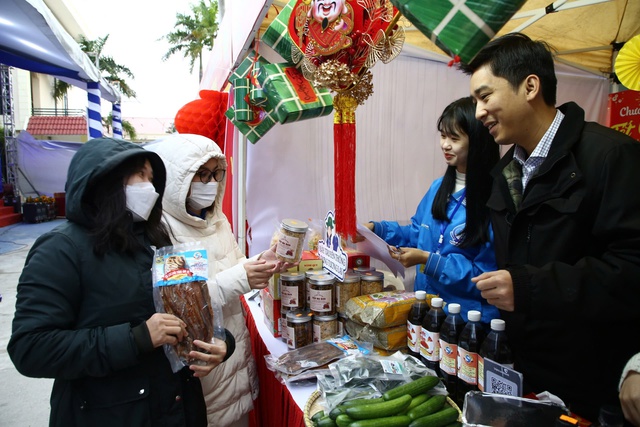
column 192, row 211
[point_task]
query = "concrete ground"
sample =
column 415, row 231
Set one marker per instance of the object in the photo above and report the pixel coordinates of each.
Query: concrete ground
column 24, row 402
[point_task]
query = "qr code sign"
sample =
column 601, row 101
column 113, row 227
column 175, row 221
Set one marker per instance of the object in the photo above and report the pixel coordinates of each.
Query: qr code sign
column 500, row 385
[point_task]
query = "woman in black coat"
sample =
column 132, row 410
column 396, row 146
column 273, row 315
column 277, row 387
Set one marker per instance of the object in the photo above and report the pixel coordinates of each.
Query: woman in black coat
column 85, row 313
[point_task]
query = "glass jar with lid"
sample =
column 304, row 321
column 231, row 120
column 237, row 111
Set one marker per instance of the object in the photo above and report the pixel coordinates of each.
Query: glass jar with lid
column 299, row 328
column 371, row 282
column 325, row 327
column 346, row 289
column 291, row 240
column 308, row 274
column 361, row 270
column 322, row 294
column 293, row 293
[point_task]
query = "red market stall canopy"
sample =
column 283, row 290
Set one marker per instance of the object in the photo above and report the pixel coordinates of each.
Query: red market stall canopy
column 32, row 39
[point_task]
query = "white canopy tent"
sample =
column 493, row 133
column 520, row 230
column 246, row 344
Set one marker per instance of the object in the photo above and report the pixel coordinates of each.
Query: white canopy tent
column 32, row 38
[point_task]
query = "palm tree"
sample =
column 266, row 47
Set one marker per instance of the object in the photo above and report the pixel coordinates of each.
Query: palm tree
column 111, row 70
column 193, row 33
column 127, row 127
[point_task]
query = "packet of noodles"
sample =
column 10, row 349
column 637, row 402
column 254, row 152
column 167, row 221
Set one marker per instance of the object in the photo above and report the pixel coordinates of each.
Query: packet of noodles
column 180, row 287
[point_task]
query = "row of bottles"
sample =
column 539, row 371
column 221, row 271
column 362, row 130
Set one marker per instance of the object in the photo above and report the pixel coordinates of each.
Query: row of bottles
column 455, row 350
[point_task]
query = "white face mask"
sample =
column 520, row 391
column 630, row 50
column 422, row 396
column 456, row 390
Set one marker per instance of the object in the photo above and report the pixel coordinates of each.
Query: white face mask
column 202, row 195
column 140, row 197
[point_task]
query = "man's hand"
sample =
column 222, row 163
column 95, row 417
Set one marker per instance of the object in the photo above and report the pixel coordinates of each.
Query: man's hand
column 497, row 288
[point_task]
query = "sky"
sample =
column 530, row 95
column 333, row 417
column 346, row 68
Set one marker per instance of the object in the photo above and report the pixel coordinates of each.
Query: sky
column 134, row 27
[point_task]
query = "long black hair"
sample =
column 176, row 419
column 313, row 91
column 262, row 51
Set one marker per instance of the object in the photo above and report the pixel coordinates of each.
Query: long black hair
column 459, row 117
column 111, row 222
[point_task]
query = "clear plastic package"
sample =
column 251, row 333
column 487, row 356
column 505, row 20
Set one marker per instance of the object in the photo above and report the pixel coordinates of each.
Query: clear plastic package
column 181, row 288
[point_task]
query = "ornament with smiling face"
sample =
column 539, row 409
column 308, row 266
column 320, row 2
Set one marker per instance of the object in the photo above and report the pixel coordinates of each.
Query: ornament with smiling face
column 326, row 12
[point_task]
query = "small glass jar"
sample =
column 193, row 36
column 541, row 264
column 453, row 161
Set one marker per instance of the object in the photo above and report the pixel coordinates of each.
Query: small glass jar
column 322, row 294
column 299, row 328
column 347, row 289
column 293, row 292
column 371, row 282
column 307, row 275
column 283, row 323
column 291, row 240
column 325, row 327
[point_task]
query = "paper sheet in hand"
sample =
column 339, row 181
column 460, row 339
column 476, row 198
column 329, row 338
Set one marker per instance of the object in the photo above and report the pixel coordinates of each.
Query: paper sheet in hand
column 375, row 247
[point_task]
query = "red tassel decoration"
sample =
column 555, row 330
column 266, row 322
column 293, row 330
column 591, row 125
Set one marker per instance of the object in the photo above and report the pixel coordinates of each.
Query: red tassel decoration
column 344, row 149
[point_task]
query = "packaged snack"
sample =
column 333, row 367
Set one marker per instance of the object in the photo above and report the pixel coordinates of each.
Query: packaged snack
column 180, row 288
column 381, row 310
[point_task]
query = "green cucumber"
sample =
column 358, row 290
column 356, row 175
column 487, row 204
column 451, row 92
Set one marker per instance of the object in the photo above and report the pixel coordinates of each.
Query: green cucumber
column 360, row 401
column 454, row 424
column 441, row 418
column 395, row 421
column 412, row 388
column 431, row 406
column 344, row 420
column 336, row 411
column 419, row 399
column 317, row 416
column 380, row 409
column 326, row 421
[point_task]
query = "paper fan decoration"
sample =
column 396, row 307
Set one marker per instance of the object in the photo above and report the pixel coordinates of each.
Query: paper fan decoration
column 627, row 64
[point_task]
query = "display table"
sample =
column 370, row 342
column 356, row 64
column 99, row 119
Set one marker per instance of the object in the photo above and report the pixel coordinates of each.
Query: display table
column 278, row 404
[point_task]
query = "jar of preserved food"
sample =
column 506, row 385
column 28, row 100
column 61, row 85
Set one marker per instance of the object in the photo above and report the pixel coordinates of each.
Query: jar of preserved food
column 291, row 240
column 325, row 327
column 293, row 293
column 371, row 282
column 361, row 270
column 347, row 289
column 322, row 294
column 308, row 274
column 299, row 328
column 282, row 326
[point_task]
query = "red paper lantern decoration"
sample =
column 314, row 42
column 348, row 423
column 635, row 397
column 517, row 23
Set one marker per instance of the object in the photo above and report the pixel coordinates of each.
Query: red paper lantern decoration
column 205, row 116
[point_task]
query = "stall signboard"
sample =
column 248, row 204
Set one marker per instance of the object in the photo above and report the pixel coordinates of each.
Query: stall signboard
column 623, row 113
column 334, row 258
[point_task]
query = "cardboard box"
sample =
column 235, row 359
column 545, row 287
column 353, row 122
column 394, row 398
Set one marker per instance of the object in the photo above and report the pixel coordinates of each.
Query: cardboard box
column 271, row 310
column 309, row 261
column 355, row 258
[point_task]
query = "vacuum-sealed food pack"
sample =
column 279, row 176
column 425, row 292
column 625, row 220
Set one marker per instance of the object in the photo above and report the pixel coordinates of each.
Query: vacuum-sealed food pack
column 181, row 288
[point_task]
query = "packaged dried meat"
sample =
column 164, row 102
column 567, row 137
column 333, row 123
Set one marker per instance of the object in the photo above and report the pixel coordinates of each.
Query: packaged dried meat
column 181, row 288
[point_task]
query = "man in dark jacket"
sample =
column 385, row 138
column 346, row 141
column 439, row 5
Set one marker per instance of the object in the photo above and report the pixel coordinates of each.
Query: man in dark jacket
column 85, row 312
column 566, row 219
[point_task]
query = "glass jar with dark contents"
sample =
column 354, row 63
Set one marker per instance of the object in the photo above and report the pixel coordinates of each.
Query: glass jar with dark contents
column 307, row 275
column 299, row 328
column 322, row 294
column 371, row 282
column 293, row 293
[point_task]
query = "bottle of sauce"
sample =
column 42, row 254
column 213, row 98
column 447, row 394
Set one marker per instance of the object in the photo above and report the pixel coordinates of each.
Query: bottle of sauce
column 495, row 347
column 469, row 344
column 430, row 335
column 449, row 334
column 414, row 323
